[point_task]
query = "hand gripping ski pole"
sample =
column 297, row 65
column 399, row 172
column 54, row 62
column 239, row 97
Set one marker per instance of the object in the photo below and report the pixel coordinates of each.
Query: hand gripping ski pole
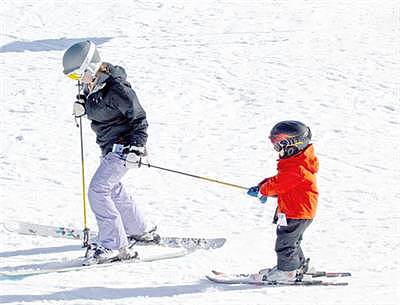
column 85, row 228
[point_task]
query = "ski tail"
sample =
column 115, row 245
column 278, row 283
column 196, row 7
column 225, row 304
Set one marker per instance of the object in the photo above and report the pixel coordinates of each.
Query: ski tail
column 27, row 228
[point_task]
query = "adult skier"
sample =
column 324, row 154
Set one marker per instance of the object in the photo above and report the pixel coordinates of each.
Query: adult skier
column 296, row 188
column 120, row 124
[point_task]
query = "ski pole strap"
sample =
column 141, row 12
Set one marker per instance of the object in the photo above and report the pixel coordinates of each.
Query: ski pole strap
column 195, row 176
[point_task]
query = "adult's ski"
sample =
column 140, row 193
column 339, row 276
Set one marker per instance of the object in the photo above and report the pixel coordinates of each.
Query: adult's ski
column 74, row 233
column 81, row 263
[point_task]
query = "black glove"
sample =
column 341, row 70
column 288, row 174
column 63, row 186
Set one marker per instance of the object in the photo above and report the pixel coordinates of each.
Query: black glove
column 81, row 98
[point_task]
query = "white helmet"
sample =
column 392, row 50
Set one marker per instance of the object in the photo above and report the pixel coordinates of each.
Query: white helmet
column 79, row 58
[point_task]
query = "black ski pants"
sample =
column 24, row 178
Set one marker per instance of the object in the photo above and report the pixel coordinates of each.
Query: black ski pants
column 287, row 246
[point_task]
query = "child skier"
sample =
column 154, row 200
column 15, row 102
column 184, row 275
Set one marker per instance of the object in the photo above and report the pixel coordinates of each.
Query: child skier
column 296, row 188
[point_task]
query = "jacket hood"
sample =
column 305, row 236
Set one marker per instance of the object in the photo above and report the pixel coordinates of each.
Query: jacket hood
column 117, row 72
column 113, row 74
column 306, row 158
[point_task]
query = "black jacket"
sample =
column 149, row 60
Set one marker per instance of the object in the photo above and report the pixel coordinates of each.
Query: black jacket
column 115, row 111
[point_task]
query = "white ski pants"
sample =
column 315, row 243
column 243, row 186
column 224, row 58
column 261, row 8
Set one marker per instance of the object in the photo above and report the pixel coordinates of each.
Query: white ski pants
column 116, row 212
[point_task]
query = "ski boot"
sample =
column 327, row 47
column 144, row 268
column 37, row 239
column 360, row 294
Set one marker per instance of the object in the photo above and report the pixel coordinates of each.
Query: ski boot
column 149, row 237
column 97, row 254
column 127, row 253
column 303, row 269
column 276, row 275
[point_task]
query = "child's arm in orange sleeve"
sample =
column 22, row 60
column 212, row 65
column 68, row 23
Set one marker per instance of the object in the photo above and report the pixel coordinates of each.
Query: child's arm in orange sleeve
column 280, row 183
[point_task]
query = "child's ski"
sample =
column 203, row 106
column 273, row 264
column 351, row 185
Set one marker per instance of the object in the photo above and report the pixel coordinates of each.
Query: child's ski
column 327, row 274
column 81, row 264
column 256, row 279
column 312, row 274
column 73, row 233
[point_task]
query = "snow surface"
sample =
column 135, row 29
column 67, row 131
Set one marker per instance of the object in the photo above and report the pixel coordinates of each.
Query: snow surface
column 214, row 76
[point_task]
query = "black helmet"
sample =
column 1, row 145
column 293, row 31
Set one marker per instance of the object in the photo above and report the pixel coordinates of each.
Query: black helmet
column 290, row 137
column 79, row 58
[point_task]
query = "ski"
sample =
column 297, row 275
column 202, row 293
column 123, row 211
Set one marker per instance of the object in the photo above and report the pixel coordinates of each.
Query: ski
column 81, row 264
column 327, row 274
column 312, row 274
column 73, row 233
column 256, row 279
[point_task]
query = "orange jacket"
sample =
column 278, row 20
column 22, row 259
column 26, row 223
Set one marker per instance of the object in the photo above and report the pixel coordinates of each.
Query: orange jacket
column 295, row 185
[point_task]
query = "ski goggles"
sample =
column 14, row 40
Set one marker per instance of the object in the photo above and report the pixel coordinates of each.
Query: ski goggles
column 281, row 141
column 278, row 146
column 75, row 75
column 78, row 74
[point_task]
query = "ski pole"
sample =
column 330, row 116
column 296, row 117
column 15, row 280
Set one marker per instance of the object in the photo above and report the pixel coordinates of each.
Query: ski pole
column 194, row 176
column 85, row 228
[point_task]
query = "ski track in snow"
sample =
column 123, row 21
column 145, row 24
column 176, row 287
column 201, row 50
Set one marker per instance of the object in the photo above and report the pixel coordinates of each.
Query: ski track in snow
column 213, row 76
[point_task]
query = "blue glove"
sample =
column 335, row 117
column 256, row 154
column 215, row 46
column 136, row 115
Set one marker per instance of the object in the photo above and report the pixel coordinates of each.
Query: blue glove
column 254, row 191
column 263, row 199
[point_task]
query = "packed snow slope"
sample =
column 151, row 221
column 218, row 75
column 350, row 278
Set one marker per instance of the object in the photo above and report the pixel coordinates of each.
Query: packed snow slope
column 214, row 77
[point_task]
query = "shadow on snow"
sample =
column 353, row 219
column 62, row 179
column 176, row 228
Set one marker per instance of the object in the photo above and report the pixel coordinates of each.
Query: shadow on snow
column 44, row 250
column 101, row 293
column 59, row 44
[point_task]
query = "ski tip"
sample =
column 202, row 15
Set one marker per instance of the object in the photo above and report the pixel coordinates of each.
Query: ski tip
column 10, row 226
column 213, row 279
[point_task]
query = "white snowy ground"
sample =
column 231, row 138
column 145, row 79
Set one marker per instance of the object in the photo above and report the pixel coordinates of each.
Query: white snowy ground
column 214, row 76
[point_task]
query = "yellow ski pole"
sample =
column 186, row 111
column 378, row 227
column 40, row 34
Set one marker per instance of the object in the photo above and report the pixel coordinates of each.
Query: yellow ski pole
column 85, row 227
